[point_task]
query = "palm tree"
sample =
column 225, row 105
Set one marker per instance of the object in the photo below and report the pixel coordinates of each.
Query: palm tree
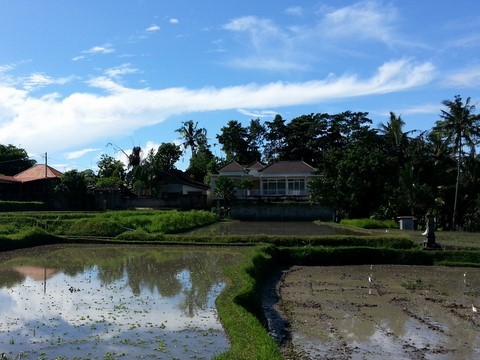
column 461, row 129
column 192, row 136
column 393, row 131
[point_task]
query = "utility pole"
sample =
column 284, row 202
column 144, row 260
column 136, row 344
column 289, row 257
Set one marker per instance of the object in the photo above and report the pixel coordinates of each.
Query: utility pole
column 46, row 171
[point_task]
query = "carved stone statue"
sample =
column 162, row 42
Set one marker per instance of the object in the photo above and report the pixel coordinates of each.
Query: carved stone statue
column 430, row 233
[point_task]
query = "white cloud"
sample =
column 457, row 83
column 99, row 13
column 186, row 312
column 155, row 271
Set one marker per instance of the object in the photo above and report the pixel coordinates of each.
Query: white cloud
column 153, row 28
column 174, row 21
column 363, row 20
column 267, row 64
column 95, row 50
column 465, row 78
column 50, row 123
column 39, row 80
column 101, row 49
column 6, row 68
column 258, row 113
column 120, row 70
column 294, row 10
column 260, row 31
column 300, row 46
column 79, row 153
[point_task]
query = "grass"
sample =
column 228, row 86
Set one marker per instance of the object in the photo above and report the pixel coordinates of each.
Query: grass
column 239, row 308
column 110, row 223
column 370, row 223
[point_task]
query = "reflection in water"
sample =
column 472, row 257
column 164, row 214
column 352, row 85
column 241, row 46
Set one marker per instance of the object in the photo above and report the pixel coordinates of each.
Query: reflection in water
column 130, row 301
column 404, row 312
column 304, row 228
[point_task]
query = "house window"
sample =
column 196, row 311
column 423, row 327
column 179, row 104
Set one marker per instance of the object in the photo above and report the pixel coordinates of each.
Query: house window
column 296, row 186
column 272, row 187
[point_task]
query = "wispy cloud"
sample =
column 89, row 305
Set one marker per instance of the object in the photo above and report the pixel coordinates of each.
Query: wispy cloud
column 152, row 28
column 6, row 68
column 268, row 41
column 294, row 10
column 174, row 21
column 79, row 153
column 39, row 80
column 95, row 50
column 364, row 20
column 61, row 123
column 101, row 49
column 121, row 70
column 258, row 113
column 465, row 78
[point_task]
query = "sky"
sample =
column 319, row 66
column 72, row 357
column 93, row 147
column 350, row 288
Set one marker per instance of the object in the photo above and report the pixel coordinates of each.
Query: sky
column 77, row 76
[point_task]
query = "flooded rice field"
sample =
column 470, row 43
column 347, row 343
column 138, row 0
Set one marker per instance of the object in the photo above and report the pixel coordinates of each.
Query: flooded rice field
column 111, row 302
column 381, row 312
column 304, row 228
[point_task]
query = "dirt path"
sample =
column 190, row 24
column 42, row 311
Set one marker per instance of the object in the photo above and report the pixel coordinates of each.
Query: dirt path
column 403, row 312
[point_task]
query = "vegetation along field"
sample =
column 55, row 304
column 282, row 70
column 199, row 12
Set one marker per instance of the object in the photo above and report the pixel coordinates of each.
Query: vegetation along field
column 246, row 307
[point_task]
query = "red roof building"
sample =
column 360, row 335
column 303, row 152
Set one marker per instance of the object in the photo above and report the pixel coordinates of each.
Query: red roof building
column 31, row 184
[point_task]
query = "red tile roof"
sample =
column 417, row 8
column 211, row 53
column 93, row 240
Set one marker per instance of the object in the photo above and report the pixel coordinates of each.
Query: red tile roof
column 37, row 172
column 288, row 167
column 233, row 167
column 7, row 179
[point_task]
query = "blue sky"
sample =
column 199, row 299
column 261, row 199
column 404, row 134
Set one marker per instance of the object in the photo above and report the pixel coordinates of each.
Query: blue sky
column 76, row 75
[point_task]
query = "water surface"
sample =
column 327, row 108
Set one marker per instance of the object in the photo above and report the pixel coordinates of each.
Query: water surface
column 382, row 312
column 297, row 228
column 105, row 302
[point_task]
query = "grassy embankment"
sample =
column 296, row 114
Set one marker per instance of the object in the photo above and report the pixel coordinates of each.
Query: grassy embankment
column 239, row 305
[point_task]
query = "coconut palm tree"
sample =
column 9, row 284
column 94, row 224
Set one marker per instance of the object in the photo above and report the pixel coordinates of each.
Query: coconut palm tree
column 460, row 128
column 393, row 131
column 192, row 136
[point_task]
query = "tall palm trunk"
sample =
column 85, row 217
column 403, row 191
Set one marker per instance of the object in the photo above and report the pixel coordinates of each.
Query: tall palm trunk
column 457, row 183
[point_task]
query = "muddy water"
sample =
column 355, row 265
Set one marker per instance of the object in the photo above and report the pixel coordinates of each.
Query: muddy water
column 112, row 302
column 403, row 312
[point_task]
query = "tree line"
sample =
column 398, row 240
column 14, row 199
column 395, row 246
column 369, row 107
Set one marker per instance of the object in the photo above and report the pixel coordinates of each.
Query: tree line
column 363, row 170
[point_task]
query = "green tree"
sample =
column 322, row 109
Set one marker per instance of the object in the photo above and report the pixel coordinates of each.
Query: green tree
column 304, row 137
column 393, row 131
column 255, row 140
column 233, row 138
column 460, row 129
column 201, row 164
column 192, row 136
column 14, row 160
column 73, row 188
column 275, row 134
column 354, row 171
column 166, row 156
column 225, row 188
column 111, row 171
column 245, row 184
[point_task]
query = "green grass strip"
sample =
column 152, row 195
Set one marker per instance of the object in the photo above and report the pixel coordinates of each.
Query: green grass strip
column 239, row 308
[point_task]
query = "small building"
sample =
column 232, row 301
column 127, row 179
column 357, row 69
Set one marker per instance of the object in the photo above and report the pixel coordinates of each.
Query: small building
column 172, row 189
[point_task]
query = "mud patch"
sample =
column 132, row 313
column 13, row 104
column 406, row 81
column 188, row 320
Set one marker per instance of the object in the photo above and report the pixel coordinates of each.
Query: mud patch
column 379, row 312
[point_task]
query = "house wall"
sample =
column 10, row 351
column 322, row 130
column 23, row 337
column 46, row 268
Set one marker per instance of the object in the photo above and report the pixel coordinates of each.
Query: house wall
column 295, row 212
column 185, row 202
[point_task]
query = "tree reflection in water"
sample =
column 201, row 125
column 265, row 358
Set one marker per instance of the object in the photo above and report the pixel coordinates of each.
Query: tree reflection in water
column 97, row 286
